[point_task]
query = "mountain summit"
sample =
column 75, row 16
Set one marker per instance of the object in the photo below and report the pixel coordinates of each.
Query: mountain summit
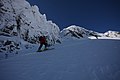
column 78, row 32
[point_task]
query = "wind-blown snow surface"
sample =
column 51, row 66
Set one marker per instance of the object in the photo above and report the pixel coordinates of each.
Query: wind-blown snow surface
column 72, row 60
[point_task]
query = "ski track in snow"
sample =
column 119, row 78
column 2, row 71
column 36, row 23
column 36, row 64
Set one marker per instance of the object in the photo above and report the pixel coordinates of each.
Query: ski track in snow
column 72, row 60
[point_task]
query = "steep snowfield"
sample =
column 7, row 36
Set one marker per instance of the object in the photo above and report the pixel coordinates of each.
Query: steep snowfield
column 72, row 60
column 21, row 24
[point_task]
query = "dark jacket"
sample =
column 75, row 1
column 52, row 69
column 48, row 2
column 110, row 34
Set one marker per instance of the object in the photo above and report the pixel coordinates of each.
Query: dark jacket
column 42, row 40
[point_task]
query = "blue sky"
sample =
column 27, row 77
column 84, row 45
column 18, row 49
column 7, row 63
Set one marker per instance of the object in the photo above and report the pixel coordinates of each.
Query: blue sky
column 98, row 15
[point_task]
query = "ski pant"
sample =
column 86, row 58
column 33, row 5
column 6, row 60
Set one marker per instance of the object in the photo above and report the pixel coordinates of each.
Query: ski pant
column 42, row 45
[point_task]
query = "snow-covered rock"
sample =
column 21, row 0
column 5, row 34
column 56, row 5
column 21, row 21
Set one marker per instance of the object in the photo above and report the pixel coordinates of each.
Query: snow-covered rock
column 19, row 18
column 112, row 34
column 78, row 32
column 82, row 33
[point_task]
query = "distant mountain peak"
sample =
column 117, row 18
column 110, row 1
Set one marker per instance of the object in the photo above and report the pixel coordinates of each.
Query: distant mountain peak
column 112, row 34
column 74, row 31
column 78, row 32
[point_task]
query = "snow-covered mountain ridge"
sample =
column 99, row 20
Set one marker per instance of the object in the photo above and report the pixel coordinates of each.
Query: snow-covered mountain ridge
column 19, row 20
column 21, row 23
column 80, row 32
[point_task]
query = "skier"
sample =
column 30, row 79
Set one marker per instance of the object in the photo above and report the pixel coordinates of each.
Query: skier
column 43, row 41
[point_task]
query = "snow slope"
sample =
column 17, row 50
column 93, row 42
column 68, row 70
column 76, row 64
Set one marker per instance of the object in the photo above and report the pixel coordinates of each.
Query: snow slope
column 72, row 60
